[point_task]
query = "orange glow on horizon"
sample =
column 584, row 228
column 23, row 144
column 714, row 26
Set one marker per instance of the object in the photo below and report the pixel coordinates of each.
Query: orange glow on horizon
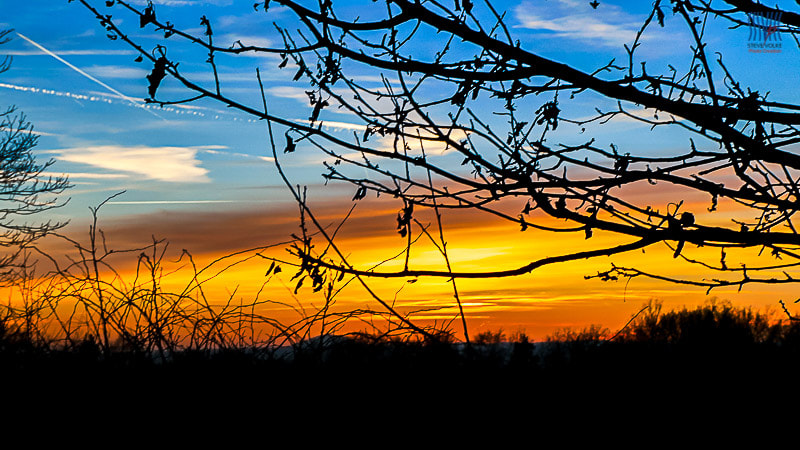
column 538, row 303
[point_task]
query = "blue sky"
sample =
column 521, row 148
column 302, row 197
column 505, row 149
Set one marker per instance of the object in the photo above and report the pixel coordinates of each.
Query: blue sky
column 206, row 156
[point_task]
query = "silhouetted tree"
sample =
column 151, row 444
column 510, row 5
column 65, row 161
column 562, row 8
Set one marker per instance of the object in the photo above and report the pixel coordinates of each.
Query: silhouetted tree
column 446, row 76
column 24, row 190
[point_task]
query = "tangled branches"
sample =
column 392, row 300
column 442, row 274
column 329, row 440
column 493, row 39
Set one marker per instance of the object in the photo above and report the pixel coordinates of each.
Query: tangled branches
column 431, row 87
column 125, row 302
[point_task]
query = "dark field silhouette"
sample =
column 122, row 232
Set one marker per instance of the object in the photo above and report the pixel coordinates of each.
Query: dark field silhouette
column 684, row 349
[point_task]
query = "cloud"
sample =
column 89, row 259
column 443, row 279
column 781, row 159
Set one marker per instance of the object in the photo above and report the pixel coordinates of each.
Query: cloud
column 375, row 79
column 632, row 116
column 610, row 26
column 184, row 2
column 335, row 126
column 429, row 142
column 299, row 94
column 171, row 164
column 99, row 176
column 292, row 92
column 176, row 202
column 226, row 77
column 215, row 150
column 221, row 227
column 248, row 41
column 116, row 72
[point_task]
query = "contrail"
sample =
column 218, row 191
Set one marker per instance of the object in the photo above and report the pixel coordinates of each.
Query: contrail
column 110, row 89
column 91, row 98
column 38, row 133
column 101, row 97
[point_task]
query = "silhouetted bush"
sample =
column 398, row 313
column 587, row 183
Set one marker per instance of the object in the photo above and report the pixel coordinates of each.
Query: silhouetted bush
column 717, row 323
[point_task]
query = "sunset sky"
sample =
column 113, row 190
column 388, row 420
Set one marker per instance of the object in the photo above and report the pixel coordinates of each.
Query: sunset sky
column 202, row 176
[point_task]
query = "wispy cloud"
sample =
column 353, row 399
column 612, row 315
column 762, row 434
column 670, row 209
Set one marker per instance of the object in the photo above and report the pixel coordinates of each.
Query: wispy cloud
column 292, row 92
column 224, row 225
column 171, row 164
column 375, row 79
column 86, row 175
column 300, row 94
column 633, row 116
column 227, row 77
column 335, row 126
column 117, row 72
column 609, row 25
column 246, row 40
column 429, row 142
column 216, row 150
column 176, row 202
column 184, row 2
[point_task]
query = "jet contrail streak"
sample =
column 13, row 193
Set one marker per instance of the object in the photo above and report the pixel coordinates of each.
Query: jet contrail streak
column 110, row 89
column 38, row 133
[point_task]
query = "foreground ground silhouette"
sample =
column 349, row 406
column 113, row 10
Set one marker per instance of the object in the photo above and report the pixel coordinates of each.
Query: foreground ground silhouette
column 716, row 353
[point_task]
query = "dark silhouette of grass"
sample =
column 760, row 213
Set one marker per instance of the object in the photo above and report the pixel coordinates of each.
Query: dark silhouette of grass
column 717, row 356
column 715, row 339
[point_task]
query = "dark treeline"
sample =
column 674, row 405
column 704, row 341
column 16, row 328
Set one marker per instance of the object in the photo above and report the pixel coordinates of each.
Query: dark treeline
column 716, row 343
